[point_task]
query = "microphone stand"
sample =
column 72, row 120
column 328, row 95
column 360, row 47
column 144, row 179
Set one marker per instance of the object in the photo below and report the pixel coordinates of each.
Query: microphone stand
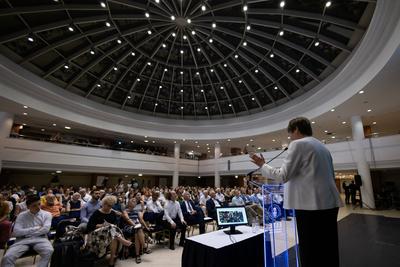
column 259, row 185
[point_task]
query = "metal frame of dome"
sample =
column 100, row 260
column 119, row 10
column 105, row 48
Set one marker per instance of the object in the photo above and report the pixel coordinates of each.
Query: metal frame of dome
column 243, row 71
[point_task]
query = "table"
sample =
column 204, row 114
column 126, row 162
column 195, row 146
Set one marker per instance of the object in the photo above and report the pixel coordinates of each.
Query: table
column 217, row 249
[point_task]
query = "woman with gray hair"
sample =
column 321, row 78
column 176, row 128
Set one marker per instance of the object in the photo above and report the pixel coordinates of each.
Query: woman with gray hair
column 103, row 231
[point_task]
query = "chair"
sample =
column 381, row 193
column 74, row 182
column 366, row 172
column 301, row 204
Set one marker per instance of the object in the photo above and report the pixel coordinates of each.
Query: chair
column 30, row 253
column 210, row 221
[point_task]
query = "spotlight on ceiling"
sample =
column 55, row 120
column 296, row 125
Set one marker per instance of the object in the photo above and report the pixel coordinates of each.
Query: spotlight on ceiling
column 189, row 21
column 193, row 32
column 211, row 40
column 115, row 68
column 147, row 15
column 173, row 34
column 203, row 7
column 119, row 41
column 297, row 70
column 225, row 65
column 316, row 43
column 244, row 43
column 214, row 25
column 248, row 27
column 184, row 37
column 149, row 32
column 245, row 8
column 157, row 1
column 256, row 70
column 149, row 63
column 92, row 52
column 172, row 17
column 281, row 33
column 165, row 70
column 282, row 4
column 133, row 54
column 164, row 45
column 103, row 5
column 236, row 56
column 181, row 51
column 108, row 24
column 271, row 55
column 328, row 4
column 31, row 39
column 71, row 29
column 276, row 87
column 198, row 49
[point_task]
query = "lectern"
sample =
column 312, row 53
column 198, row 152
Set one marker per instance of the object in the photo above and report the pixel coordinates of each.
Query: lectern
column 280, row 234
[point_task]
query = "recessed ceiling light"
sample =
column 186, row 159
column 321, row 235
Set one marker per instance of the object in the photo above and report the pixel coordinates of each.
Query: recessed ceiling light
column 256, row 70
column 332, row 110
column 343, row 122
column 328, row 4
column 108, row 24
column 24, row 124
column 181, row 107
column 374, row 123
column 281, row 33
column 184, row 37
column 149, row 63
column 102, row 4
column 181, row 74
column 316, row 43
column 326, row 131
column 251, row 140
column 181, row 51
column 54, row 125
column 119, row 41
column 98, row 85
column 181, row 90
column 157, row 1
column 138, row 79
column 193, row 32
column 147, row 15
column 245, row 8
column 253, row 99
column 206, row 108
column 25, row 106
column 212, row 70
column 236, row 56
column 313, row 122
column 70, row 28
column 228, row 140
column 149, row 32
column 297, row 70
column 131, row 141
column 248, row 27
column 271, row 55
column 129, row 97
column 67, row 127
column 211, row 40
column 361, row 92
column 273, row 140
column 58, row 171
column 172, row 17
column 202, row 91
column 30, row 39
column 25, row 114
column 230, row 105
column 214, row 25
column 333, row 137
column 189, row 21
column 244, row 43
column 146, row 141
column 221, row 87
column 92, row 52
column 369, row 110
column 225, row 65
column 115, row 68
column 240, row 81
column 173, row 34
column 282, row 4
column 203, row 7
column 164, row 45
column 198, row 49
column 165, row 70
column 160, row 86
column 276, row 87
column 197, row 73
column 66, row 67
column 140, row 174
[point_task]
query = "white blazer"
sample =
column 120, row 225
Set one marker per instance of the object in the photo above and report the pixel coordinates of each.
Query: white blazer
column 308, row 176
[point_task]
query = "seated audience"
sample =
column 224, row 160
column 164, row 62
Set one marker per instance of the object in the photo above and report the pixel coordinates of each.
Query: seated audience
column 237, row 200
column 74, row 206
column 212, row 205
column 154, row 211
column 5, row 224
column 54, row 207
column 103, row 232
column 30, row 229
column 89, row 208
column 219, row 195
column 192, row 214
column 173, row 219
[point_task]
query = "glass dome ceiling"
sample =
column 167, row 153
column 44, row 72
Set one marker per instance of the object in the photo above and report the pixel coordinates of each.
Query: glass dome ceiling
column 183, row 59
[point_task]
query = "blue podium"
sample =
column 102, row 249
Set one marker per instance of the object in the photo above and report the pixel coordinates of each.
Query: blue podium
column 280, row 233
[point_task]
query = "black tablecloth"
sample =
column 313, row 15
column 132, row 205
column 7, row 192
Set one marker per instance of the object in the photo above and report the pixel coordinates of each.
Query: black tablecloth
column 246, row 253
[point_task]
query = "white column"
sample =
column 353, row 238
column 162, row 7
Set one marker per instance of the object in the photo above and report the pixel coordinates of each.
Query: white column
column 217, row 155
column 175, row 178
column 367, row 192
column 6, row 123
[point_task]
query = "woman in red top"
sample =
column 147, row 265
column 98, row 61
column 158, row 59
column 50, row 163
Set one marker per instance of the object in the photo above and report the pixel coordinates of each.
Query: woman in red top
column 5, row 224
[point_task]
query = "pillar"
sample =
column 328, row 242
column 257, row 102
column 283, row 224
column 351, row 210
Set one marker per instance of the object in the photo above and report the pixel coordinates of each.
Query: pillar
column 175, row 178
column 367, row 192
column 217, row 155
column 6, row 123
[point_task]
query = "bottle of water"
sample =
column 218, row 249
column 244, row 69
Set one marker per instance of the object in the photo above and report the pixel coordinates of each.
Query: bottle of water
column 254, row 225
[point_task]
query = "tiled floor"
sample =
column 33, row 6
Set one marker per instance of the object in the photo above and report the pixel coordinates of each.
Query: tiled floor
column 163, row 257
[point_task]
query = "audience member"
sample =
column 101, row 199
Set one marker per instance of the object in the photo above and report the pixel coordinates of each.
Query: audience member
column 173, row 219
column 212, row 205
column 191, row 213
column 5, row 224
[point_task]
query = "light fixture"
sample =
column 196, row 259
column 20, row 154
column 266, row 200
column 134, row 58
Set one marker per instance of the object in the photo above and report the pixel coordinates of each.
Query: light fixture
column 248, row 27
column 214, row 25
column 328, row 4
column 119, row 41
column 66, row 67
column 203, row 7
column 140, row 174
column 240, row 81
column 333, row 137
column 343, row 122
column 271, row 55
column 225, row 65
column 201, row 91
column 108, row 24
column 173, row 34
column 193, row 32
column 58, row 171
column 165, row 70
column 164, row 45
column 181, row 90
column 181, row 74
column 129, row 97
column 115, row 68
column 313, row 122
column 369, row 110
column 131, row 141
column 198, row 49
column 245, row 8
column 297, row 70
column 138, row 79
column 244, row 43
column 332, row 110
column 149, row 32
column 236, row 56
column 273, row 140
column 374, row 123
column 103, row 5
column 189, row 21
column 157, row 1
column 256, row 70
column 172, row 17
column 282, row 4
column 206, row 108
column 276, row 87
column 361, row 92
column 253, row 99
column 326, row 131
column 98, row 85
column 30, row 39
column 211, row 40
column 25, row 106
column 25, row 114
column 181, row 51
column 230, row 105
column 54, row 125
column 212, row 70
column 71, row 29
column 160, row 86
column 67, row 127
column 184, row 37
column 316, row 43
column 147, row 15
column 153, row 142
column 182, row 107
column 251, row 140
column 281, row 33
column 92, row 52
column 146, row 141
column 149, row 63
column 197, row 73
column 221, row 88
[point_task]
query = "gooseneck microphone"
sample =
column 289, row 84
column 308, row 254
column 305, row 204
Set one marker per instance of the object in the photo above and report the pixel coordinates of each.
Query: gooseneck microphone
column 251, row 173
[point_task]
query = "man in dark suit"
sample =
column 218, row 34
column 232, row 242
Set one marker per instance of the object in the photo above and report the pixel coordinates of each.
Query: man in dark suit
column 193, row 214
column 212, row 204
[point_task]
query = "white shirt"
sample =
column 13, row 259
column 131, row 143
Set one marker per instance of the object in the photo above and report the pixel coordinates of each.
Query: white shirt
column 308, row 175
column 237, row 201
column 28, row 224
column 203, row 200
column 220, row 197
column 172, row 210
column 154, row 206
column 216, row 203
column 87, row 198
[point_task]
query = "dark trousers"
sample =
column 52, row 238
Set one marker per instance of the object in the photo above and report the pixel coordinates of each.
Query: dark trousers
column 318, row 237
column 172, row 232
column 197, row 218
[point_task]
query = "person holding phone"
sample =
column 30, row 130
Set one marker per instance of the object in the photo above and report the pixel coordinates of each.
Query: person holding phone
column 309, row 188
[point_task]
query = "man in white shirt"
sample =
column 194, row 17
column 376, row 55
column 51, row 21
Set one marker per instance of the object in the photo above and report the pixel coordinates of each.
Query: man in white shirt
column 203, row 198
column 237, row 200
column 173, row 219
column 85, row 197
column 30, row 229
column 219, row 195
column 310, row 189
column 193, row 214
column 154, row 211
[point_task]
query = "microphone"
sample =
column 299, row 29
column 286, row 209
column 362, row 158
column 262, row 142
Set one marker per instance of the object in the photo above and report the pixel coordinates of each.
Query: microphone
column 251, row 173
